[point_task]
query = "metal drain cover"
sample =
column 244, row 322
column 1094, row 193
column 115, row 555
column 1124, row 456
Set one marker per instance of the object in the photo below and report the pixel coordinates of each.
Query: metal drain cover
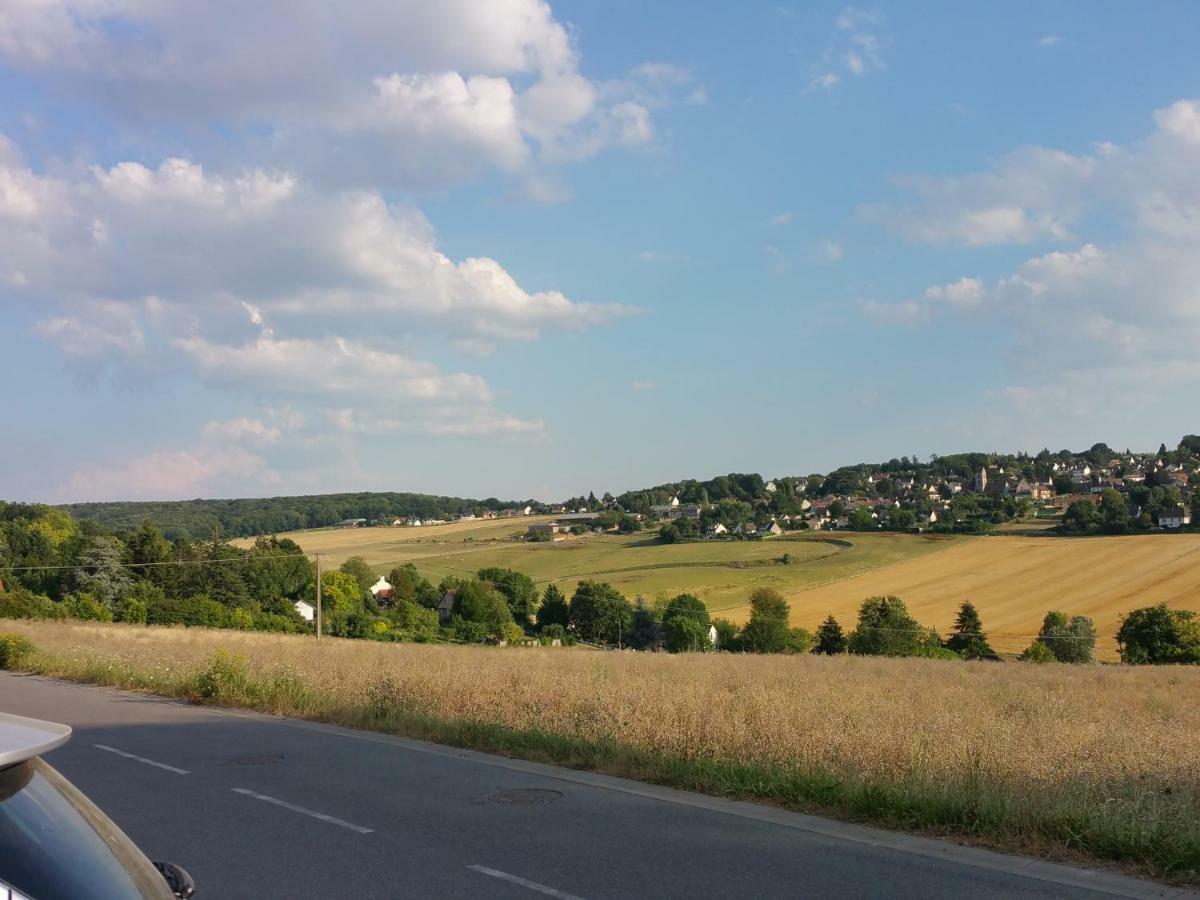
column 524, row 796
column 268, row 759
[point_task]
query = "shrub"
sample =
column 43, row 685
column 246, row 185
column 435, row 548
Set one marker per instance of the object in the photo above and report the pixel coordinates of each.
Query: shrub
column 799, row 640
column 13, row 647
column 85, row 606
column 224, row 679
column 511, row 632
column 23, row 604
column 1037, row 652
column 131, row 610
column 241, row 619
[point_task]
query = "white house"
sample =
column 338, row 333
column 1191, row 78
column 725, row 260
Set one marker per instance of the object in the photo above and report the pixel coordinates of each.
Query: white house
column 717, row 530
column 305, row 610
column 413, row 522
column 712, row 636
column 1174, row 518
column 382, row 586
column 773, row 528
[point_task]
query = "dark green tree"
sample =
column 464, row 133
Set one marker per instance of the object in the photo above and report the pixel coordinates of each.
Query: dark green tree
column 830, row 638
column 594, row 608
column 554, row 609
column 360, row 570
column 886, row 629
column 645, row 631
column 1070, row 640
column 517, row 589
column 685, row 624
column 967, row 638
column 1156, row 635
column 767, row 630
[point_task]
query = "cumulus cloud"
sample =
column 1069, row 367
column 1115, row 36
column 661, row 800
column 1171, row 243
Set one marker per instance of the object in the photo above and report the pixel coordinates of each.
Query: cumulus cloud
column 259, row 283
column 964, row 294
column 1126, row 301
column 406, row 94
column 1033, row 193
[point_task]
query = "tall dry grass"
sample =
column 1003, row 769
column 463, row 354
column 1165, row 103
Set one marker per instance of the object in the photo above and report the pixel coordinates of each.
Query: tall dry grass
column 1096, row 759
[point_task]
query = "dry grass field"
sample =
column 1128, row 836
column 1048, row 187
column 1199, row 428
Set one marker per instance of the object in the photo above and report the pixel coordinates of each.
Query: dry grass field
column 1014, row 581
column 1055, row 759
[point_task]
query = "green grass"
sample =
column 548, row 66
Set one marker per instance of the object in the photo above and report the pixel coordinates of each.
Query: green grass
column 721, row 573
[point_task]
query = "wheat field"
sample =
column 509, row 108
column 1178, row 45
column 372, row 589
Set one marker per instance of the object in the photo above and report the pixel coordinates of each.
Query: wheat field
column 1014, row 581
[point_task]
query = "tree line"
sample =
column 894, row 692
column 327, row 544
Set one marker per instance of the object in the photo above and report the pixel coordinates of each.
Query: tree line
column 52, row 566
column 272, row 515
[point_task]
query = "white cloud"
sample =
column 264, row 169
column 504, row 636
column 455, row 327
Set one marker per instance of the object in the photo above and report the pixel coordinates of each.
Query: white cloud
column 259, row 283
column 1033, row 193
column 782, row 218
column 964, row 294
column 405, row 93
column 642, row 386
column 855, row 49
column 1128, row 300
column 1049, row 40
column 241, row 429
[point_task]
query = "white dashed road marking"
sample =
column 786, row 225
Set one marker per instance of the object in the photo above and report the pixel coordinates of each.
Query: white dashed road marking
column 524, row 882
column 140, row 759
column 332, row 820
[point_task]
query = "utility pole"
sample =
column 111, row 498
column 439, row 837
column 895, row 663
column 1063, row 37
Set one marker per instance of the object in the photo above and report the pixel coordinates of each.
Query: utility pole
column 318, row 596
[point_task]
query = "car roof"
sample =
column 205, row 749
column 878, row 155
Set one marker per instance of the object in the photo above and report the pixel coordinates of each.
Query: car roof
column 22, row 738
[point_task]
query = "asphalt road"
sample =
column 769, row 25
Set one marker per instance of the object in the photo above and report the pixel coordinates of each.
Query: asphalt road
column 261, row 807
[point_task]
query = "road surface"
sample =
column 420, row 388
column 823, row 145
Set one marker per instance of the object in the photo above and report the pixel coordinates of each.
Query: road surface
column 261, row 807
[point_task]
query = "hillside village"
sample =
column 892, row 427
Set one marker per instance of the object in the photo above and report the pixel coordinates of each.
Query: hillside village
column 1099, row 490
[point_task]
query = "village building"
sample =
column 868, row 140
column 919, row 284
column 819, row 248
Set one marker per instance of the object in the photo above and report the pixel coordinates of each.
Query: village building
column 1176, row 517
column 304, row 610
column 382, row 590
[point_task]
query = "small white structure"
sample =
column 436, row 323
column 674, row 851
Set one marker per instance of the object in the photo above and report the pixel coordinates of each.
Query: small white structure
column 305, row 610
column 712, row 636
column 382, row 586
column 773, row 528
column 717, row 530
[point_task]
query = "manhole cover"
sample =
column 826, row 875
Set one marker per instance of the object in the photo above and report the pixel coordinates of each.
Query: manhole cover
column 268, row 759
column 524, row 796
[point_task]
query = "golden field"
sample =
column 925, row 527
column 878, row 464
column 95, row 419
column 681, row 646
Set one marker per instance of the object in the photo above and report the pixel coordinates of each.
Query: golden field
column 1093, row 759
column 1013, row 579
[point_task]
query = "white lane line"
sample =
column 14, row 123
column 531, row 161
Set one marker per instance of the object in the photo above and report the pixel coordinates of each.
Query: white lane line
column 140, row 759
column 524, row 882
column 332, row 820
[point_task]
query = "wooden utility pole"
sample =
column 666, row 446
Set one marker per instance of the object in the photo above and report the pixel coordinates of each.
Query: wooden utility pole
column 318, row 596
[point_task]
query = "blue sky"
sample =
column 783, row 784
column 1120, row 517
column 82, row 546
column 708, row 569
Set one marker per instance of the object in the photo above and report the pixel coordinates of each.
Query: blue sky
column 519, row 249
